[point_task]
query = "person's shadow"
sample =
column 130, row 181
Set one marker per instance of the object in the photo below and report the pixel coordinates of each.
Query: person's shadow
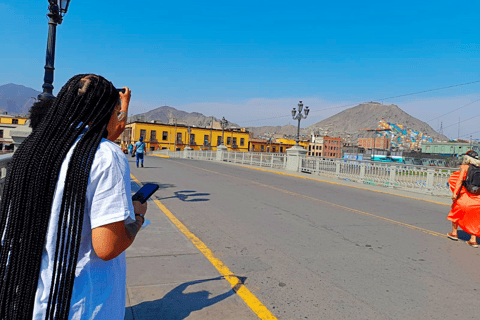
column 176, row 304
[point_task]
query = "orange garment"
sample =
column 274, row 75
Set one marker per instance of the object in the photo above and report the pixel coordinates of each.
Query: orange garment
column 466, row 209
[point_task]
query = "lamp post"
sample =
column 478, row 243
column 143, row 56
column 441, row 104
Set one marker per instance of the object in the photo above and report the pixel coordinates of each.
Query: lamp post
column 189, row 139
column 299, row 117
column 58, row 9
column 224, row 124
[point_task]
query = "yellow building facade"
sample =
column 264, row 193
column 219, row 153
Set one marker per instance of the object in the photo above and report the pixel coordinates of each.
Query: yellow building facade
column 274, row 146
column 161, row 136
column 7, row 119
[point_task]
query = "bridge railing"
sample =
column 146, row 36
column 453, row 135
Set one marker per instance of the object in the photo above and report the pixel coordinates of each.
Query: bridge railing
column 4, row 161
column 260, row 159
column 426, row 179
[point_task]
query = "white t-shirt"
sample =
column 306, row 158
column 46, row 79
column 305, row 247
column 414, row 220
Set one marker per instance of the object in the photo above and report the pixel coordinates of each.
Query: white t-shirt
column 99, row 287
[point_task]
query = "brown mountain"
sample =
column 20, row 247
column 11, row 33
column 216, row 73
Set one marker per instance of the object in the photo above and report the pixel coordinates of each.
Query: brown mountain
column 367, row 116
column 165, row 113
column 16, row 99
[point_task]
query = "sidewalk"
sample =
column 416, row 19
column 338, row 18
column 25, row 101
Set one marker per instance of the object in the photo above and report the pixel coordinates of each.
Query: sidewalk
column 169, row 278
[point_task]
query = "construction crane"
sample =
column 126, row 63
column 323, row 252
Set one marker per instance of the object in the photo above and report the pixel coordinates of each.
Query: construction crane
column 375, row 137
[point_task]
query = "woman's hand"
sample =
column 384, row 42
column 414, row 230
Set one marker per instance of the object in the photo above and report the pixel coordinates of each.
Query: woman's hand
column 454, row 197
column 139, row 208
column 125, row 98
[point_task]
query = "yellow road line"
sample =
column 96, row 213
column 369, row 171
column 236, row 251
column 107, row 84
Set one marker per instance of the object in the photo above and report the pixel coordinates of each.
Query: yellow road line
column 434, row 233
column 237, row 286
column 159, row 155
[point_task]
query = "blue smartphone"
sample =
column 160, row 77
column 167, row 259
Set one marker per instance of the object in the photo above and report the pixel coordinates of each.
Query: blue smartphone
column 145, row 192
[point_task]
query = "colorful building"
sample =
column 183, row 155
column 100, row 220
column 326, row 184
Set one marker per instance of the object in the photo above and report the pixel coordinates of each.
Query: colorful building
column 161, row 136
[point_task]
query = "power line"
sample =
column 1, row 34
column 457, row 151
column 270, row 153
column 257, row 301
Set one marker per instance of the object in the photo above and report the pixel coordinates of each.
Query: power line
column 478, row 115
column 430, row 90
column 453, row 110
column 468, row 134
column 387, row 98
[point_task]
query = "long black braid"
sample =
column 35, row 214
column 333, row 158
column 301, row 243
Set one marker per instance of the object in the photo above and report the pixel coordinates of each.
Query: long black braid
column 84, row 105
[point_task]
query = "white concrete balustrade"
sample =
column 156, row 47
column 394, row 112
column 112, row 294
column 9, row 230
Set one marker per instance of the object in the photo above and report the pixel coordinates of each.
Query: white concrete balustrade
column 429, row 180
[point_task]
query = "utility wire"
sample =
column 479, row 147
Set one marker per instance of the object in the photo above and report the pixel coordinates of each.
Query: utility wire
column 382, row 99
column 455, row 124
column 468, row 134
column 453, row 110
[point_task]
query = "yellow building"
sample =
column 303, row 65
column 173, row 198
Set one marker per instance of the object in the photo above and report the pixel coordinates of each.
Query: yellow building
column 8, row 119
column 161, row 136
column 9, row 123
column 275, row 145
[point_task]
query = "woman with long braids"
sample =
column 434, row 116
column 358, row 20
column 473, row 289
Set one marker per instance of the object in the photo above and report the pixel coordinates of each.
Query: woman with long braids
column 66, row 214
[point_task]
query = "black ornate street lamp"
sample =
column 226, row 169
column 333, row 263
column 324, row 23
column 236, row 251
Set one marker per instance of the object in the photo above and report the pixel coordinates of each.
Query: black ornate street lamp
column 58, row 9
column 299, row 117
column 224, row 124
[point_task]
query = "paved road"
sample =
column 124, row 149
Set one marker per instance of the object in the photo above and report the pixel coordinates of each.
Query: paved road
column 311, row 250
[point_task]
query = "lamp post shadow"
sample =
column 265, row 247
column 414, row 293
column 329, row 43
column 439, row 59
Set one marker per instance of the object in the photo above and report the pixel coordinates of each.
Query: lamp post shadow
column 178, row 305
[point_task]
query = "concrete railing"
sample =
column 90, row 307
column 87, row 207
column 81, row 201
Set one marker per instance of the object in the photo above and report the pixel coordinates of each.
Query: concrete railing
column 424, row 179
column 261, row 159
column 4, row 161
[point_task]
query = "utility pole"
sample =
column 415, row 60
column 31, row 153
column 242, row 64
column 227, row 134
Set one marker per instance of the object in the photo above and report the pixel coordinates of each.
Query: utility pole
column 458, row 128
column 211, row 134
column 175, row 136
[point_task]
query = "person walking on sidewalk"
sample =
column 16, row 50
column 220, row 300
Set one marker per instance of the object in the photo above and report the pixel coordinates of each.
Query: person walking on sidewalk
column 139, row 151
column 66, row 212
column 465, row 185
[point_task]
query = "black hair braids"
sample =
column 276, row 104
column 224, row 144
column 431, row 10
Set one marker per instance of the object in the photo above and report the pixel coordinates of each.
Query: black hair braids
column 84, row 105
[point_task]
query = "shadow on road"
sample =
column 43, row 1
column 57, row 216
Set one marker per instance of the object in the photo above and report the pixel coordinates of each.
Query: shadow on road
column 188, row 196
column 178, row 305
column 135, row 187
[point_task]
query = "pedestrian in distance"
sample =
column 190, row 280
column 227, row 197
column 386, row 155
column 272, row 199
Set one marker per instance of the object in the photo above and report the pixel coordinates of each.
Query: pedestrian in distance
column 139, row 151
column 465, row 212
column 66, row 213
column 130, row 148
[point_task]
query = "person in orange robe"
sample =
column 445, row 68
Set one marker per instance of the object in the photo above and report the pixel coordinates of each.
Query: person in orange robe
column 466, row 206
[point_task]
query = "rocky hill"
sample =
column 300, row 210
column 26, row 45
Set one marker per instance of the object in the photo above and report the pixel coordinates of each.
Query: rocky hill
column 165, row 113
column 368, row 116
column 16, row 99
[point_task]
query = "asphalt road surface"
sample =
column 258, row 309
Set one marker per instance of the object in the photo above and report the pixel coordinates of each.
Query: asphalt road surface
column 312, row 250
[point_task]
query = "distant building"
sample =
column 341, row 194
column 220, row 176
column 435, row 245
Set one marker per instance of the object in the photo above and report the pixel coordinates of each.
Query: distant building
column 449, row 148
column 9, row 123
column 374, row 143
column 321, row 146
column 161, row 136
column 273, row 145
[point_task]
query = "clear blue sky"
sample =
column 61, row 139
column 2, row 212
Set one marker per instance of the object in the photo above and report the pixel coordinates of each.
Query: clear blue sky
column 253, row 60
